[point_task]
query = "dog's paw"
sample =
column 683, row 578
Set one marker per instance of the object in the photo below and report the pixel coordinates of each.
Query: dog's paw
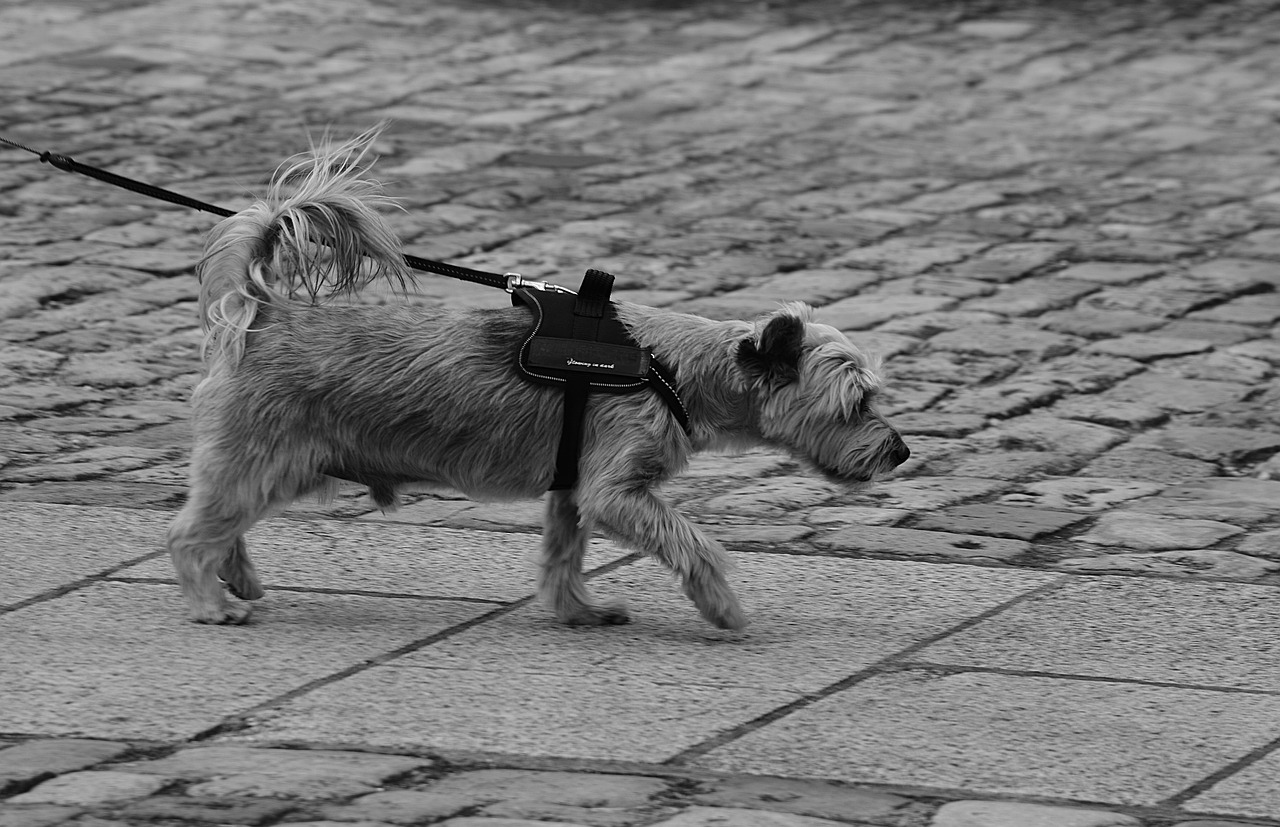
column 611, row 613
column 228, row 615
column 249, row 589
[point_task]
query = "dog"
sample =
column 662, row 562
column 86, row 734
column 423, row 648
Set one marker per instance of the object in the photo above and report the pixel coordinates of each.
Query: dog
column 301, row 391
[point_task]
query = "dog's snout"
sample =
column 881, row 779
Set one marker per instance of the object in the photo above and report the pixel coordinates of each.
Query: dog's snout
column 900, row 453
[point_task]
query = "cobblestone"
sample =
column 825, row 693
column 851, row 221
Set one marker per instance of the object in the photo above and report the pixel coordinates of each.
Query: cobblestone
column 1058, row 226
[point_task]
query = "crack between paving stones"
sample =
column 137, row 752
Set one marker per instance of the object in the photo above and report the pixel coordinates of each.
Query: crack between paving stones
column 160, row 581
column 67, row 588
column 956, row 669
column 885, row 664
column 1211, row 780
column 240, row 720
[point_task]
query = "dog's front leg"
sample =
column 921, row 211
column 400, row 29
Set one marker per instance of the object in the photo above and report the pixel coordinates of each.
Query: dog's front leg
column 636, row 517
column 560, row 584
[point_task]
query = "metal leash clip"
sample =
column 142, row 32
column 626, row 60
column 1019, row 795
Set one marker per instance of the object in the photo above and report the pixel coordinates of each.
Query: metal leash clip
column 515, row 280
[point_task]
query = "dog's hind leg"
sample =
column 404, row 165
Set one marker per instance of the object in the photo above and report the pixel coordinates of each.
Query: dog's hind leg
column 560, row 583
column 238, row 573
column 636, row 517
column 207, row 546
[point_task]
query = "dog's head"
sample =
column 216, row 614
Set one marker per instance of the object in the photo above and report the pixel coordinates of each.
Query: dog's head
column 816, row 394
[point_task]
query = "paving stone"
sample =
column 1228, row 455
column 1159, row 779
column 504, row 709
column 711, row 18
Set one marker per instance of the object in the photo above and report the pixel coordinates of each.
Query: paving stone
column 1188, row 562
column 280, row 773
column 1238, row 272
column 1004, row 340
column 1231, row 499
column 1041, row 432
column 1014, row 465
column 1109, row 272
column 773, row 496
column 917, row 543
column 719, row 816
column 931, row 423
column 1109, row 412
column 402, row 806
column 216, row 810
column 1211, row 444
column 1012, row 397
column 821, row 799
column 486, row 821
column 91, row 787
column 1006, row 262
column 906, row 257
column 1220, row 333
column 1186, row 632
column 1018, row 814
column 1263, row 544
column 868, row 310
column 928, row 493
column 1018, row 522
column 1114, row 742
column 569, row 788
column 1157, row 532
column 30, row 761
column 1033, row 297
column 1154, row 466
column 855, row 514
column 1185, row 395
column 36, row 815
column 1093, row 323
column 1146, row 348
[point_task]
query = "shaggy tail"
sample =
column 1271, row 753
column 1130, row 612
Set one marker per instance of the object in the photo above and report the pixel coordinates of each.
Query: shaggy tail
column 316, row 232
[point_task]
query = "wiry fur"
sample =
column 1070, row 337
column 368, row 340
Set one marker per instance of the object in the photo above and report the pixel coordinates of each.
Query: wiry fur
column 301, row 393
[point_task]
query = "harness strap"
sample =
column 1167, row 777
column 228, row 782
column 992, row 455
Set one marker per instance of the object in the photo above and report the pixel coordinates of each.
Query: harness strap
column 578, row 345
column 588, row 311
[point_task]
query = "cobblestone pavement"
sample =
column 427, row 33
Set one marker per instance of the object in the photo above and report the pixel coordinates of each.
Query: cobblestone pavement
column 1058, row 222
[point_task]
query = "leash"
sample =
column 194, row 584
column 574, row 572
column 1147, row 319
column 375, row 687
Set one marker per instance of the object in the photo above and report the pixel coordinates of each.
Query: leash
column 505, row 281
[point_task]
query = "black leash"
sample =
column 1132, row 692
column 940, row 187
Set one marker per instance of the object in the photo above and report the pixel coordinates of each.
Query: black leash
column 440, row 268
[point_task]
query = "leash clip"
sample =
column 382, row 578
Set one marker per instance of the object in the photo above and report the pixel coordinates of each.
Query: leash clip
column 515, row 280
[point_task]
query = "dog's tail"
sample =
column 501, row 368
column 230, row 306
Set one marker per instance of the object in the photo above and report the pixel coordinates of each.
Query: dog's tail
column 316, row 232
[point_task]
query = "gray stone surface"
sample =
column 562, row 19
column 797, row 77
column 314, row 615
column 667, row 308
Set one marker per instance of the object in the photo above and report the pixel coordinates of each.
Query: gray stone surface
column 120, row 659
column 1058, row 225
column 92, row 787
column 1018, row 814
column 278, row 773
column 388, row 558
column 584, row 692
column 1114, row 742
column 1252, row 791
column 1199, row 634
column 47, row 546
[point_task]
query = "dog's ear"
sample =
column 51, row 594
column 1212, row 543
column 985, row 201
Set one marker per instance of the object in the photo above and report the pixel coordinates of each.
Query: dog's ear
column 775, row 355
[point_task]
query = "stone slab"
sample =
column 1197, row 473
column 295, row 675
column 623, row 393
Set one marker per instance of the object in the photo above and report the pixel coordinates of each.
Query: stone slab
column 997, row 734
column 1191, row 633
column 47, row 546
column 645, row 692
column 391, row 558
column 913, row 542
column 24, row 763
column 226, row 771
column 90, row 787
column 119, row 660
column 1251, row 791
column 1020, row 814
column 1156, row 532
column 723, row 816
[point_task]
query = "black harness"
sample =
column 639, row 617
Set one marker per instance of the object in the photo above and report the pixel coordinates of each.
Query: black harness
column 578, row 344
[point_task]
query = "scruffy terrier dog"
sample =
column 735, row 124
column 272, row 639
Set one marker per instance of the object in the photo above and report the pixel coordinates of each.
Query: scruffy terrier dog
column 300, row 393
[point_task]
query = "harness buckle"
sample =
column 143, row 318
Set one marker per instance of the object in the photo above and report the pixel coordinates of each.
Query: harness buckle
column 515, row 280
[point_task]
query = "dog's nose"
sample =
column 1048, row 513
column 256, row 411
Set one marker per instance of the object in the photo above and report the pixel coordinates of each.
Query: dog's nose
column 901, row 453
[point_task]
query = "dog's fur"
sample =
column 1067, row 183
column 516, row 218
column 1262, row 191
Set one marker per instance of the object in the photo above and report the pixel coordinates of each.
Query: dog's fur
column 301, row 393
